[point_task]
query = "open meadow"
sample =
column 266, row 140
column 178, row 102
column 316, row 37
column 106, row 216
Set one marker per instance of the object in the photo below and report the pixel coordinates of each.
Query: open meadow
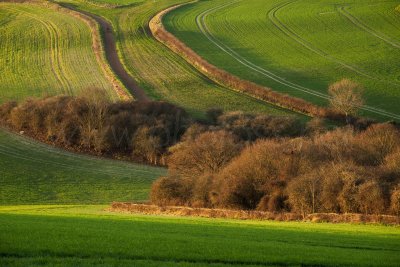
column 300, row 47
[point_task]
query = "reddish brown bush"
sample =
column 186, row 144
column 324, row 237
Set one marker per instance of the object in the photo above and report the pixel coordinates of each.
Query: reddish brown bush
column 370, row 198
column 208, row 153
column 170, row 191
column 249, row 177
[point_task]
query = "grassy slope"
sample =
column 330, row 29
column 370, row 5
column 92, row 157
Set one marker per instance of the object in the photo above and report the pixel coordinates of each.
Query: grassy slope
column 90, row 236
column 163, row 74
column 289, row 49
column 36, row 173
column 45, row 52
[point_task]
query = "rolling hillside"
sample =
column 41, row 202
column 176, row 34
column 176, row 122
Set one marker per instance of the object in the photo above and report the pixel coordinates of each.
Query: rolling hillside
column 53, row 203
column 34, row 173
column 162, row 73
column 300, row 47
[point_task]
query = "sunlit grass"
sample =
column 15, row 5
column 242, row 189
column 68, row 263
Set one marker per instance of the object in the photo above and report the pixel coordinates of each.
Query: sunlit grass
column 45, row 52
column 308, row 43
column 88, row 235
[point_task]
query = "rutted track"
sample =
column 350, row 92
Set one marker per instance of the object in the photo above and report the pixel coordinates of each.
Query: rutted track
column 200, row 21
column 112, row 55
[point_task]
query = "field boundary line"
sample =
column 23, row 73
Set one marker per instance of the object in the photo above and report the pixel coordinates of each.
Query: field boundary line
column 229, row 80
column 200, row 20
column 98, row 47
column 240, row 85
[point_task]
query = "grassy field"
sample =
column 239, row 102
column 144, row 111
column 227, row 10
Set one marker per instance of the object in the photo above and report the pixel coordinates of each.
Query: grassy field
column 35, row 173
column 45, row 52
column 86, row 236
column 163, row 74
column 300, row 47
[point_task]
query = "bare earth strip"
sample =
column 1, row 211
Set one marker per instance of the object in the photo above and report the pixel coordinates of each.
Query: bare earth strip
column 112, row 56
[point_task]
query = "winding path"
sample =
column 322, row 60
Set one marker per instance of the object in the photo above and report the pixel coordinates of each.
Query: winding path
column 112, row 55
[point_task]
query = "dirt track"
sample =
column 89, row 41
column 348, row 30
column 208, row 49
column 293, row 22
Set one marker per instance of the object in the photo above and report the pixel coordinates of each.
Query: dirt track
column 112, row 56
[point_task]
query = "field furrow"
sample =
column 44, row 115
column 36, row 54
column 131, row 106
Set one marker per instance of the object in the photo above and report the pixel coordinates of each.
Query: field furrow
column 366, row 28
column 46, row 52
column 301, row 48
column 160, row 72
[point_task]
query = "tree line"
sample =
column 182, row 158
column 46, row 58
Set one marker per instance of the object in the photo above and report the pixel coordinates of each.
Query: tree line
column 231, row 160
column 131, row 130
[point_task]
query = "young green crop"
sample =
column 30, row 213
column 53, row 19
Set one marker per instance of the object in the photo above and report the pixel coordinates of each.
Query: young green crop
column 31, row 173
column 163, row 74
column 45, row 52
column 300, row 47
column 87, row 235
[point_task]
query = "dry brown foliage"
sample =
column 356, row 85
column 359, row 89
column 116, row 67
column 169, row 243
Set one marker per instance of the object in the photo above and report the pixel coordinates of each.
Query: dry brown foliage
column 250, row 215
column 208, row 153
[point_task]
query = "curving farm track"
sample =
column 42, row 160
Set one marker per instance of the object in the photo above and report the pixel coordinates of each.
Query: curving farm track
column 201, row 22
column 112, row 55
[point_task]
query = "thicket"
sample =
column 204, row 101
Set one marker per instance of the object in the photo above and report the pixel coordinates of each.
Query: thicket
column 141, row 131
column 133, row 130
column 345, row 170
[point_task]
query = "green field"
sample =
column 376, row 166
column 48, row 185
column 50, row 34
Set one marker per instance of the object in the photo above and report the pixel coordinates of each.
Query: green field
column 160, row 72
column 87, row 236
column 300, row 47
column 52, row 202
column 45, row 52
column 35, row 173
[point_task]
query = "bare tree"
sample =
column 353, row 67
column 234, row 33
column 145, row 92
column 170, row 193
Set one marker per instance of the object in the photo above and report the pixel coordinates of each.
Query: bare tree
column 95, row 102
column 346, row 97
